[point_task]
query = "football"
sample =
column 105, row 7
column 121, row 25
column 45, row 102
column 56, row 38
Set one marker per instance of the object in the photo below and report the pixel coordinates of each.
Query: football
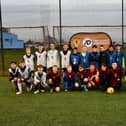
column 110, row 90
column 76, row 85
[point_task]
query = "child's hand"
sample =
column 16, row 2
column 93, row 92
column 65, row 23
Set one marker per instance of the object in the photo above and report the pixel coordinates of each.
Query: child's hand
column 50, row 81
column 85, row 80
column 15, row 78
column 22, row 79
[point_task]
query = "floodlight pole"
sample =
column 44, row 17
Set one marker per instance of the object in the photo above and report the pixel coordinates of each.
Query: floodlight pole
column 60, row 20
column 1, row 39
column 123, row 23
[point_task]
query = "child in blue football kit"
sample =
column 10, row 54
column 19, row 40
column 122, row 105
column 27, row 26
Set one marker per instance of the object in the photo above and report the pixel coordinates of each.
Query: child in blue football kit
column 75, row 60
column 94, row 56
column 84, row 57
column 68, row 79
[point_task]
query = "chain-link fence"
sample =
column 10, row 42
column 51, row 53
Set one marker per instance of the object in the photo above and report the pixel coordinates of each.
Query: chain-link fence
column 15, row 39
column 61, row 19
column 114, row 31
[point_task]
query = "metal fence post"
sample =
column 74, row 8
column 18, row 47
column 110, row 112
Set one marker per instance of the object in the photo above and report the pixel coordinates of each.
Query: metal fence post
column 1, row 39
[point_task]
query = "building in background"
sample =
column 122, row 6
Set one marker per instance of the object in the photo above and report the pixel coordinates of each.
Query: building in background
column 11, row 41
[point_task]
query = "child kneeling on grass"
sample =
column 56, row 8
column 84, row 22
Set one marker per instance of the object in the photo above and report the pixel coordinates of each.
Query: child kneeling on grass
column 93, row 76
column 81, row 79
column 25, row 76
column 68, row 78
column 54, row 79
column 14, row 71
column 104, row 77
column 115, row 76
column 39, row 80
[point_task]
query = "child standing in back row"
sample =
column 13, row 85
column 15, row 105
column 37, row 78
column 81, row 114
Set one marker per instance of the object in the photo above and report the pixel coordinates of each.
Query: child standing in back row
column 65, row 57
column 111, row 56
column 75, row 60
column 119, row 55
column 52, row 56
column 84, row 58
column 41, row 56
column 29, row 58
column 94, row 56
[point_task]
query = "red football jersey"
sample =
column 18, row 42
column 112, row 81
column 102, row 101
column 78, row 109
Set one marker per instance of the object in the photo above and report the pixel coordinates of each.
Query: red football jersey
column 114, row 76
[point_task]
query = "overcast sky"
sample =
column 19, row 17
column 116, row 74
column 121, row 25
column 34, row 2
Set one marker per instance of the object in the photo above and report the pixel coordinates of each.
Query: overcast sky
column 22, row 2
column 74, row 12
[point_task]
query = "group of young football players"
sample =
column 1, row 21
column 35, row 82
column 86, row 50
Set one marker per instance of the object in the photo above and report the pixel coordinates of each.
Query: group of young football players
column 76, row 71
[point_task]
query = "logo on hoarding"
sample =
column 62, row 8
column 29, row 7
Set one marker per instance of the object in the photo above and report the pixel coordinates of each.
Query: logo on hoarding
column 87, row 42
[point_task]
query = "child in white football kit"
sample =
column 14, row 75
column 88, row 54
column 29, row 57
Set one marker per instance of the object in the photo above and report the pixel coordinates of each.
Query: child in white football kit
column 52, row 56
column 39, row 80
column 24, row 76
column 41, row 56
column 29, row 58
column 65, row 57
column 13, row 71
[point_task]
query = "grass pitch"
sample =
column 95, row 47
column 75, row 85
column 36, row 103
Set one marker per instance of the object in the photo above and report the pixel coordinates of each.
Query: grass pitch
column 93, row 108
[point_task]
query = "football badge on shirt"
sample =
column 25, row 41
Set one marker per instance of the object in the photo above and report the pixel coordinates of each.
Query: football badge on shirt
column 65, row 58
column 28, row 61
column 52, row 57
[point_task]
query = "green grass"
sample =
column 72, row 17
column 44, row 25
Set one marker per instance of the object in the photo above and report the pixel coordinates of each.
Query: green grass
column 12, row 55
column 93, row 108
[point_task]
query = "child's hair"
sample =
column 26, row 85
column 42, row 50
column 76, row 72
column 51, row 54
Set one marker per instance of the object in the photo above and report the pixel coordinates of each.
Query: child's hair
column 27, row 47
column 92, row 63
column 65, row 44
column 13, row 62
column 22, row 61
column 75, row 48
column 52, row 43
column 80, row 66
column 94, row 46
column 40, row 44
column 118, row 44
column 103, row 64
column 55, row 66
column 101, row 45
column 39, row 66
column 114, row 62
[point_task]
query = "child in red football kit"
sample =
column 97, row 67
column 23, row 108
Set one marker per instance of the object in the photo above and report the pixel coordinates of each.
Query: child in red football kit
column 93, row 76
column 115, row 76
column 82, row 78
column 54, row 78
column 104, row 77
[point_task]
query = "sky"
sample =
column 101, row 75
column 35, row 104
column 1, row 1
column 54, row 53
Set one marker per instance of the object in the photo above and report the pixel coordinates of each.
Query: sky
column 25, row 2
column 74, row 12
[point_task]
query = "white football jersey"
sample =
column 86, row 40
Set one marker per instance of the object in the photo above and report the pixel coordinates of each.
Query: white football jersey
column 29, row 61
column 65, row 59
column 14, row 73
column 52, row 58
column 25, row 73
column 41, row 58
column 42, row 79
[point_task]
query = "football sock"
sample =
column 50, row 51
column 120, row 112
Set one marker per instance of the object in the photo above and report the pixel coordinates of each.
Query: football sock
column 19, row 87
